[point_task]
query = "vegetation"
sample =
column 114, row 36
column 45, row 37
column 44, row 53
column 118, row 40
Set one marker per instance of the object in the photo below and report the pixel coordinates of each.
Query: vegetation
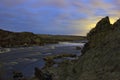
column 100, row 59
column 12, row 39
column 50, row 59
column 17, row 39
column 56, row 38
column 59, row 56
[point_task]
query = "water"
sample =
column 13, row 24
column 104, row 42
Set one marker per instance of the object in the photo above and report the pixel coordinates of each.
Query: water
column 26, row 59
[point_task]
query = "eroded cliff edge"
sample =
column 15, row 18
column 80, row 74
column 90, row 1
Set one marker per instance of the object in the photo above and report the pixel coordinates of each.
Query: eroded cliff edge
column 100, row 59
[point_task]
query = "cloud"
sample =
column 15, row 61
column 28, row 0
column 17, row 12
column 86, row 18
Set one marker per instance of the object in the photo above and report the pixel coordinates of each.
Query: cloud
column 54, row 3
column 12, row 3
column 56, row 16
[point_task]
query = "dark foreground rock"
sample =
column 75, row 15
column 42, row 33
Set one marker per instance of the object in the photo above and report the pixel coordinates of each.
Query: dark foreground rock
column 42, row 75
column 101, row 56
column 18, row 76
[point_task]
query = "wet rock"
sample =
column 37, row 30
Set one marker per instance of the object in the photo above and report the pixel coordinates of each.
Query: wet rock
column 18, row 75
column 85, row 48
column 39, row 74
column 3, row 50
column 42, row 76
column 78, row 48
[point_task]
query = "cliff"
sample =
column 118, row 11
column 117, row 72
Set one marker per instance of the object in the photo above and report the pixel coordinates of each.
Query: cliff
column 101, row 57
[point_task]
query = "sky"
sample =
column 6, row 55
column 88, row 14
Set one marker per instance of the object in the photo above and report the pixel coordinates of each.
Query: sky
column 59, row 17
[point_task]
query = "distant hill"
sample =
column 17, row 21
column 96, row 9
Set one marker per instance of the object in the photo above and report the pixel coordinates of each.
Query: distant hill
column 17, row 39
column 101, row 56
column 57, row 38
column 10, row 39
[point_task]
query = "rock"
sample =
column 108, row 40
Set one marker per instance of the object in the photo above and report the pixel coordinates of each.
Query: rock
column 3, row 50
column 42, row 76
column 101, row 26
column 85, row 48
column 116, row 25
column 78, row 48
column 39, row 74
column 18, row 75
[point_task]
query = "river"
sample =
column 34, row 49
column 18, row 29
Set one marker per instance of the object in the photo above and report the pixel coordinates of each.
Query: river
column 26, row 59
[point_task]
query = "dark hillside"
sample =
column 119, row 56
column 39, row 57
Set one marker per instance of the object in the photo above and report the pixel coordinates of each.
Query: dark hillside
column 101, row 58
column 14, row 39
column 17, row 39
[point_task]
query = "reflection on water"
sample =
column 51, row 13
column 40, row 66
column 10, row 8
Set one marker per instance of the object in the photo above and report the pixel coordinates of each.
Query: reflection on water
column 60, row 44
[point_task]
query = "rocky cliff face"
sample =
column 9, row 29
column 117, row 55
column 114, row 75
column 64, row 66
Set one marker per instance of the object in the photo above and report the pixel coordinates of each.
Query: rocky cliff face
column 116, row 25
column 102, row 26
column 101, row 58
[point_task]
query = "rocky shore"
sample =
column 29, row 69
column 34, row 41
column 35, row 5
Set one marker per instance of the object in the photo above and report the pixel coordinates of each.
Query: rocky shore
column 3, row 50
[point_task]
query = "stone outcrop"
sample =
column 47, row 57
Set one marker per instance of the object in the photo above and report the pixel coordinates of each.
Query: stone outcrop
column 101, row 55
column 116, row 25
column 102, row 50
column 102, row 26
column 42, row 75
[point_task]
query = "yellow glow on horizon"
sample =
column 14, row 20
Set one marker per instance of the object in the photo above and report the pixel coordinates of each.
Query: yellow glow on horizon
column 89, row 26
column 113, row 20
column 90, row 23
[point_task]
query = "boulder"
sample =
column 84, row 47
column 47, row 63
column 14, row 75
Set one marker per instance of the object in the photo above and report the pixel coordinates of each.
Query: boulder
column 42, row 76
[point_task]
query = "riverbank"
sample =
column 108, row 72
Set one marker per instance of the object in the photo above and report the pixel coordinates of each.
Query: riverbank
column 3, row 50
column 31, row 57
column 9, row 39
